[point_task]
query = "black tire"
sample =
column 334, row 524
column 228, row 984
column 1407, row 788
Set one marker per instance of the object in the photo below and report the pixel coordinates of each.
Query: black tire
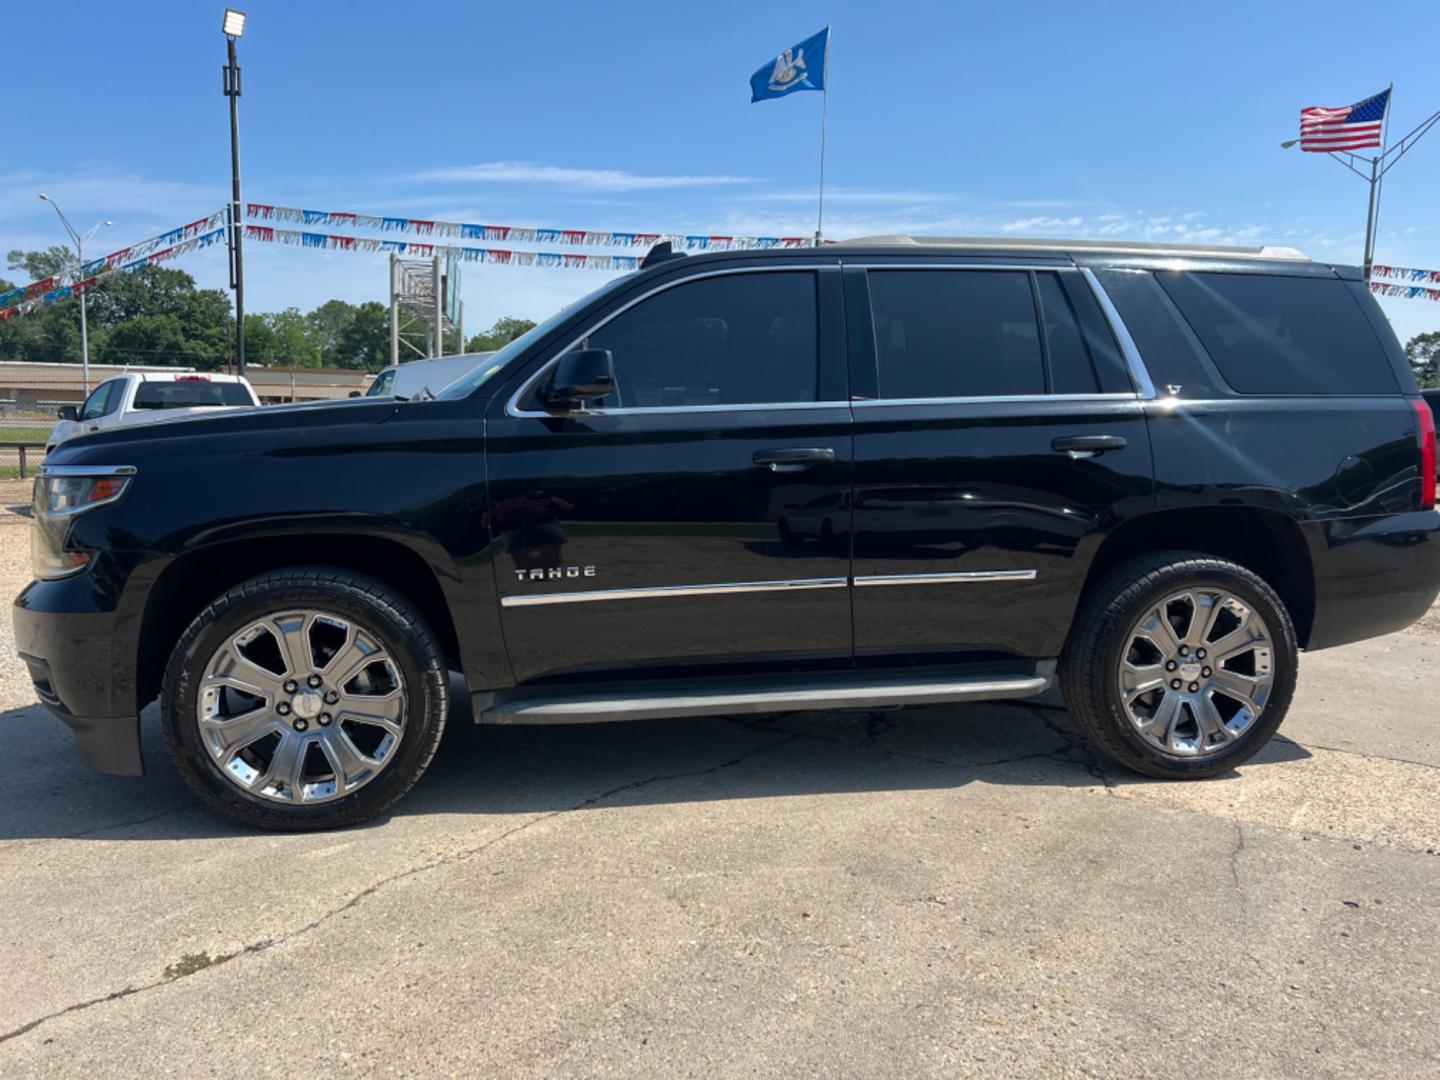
column 1091, row 662
column 372, row 604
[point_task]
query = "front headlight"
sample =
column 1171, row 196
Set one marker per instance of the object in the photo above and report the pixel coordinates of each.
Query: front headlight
column 62, row 492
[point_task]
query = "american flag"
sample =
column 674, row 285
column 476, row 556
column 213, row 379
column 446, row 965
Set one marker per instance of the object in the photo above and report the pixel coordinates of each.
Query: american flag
column 1351, row 127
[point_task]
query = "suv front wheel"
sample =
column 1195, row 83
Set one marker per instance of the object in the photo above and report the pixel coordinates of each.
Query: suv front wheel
column 304, row 698
column 1180, row 665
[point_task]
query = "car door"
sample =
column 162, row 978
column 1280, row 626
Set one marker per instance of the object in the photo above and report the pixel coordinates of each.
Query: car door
column 999, row 439
column 645, row 535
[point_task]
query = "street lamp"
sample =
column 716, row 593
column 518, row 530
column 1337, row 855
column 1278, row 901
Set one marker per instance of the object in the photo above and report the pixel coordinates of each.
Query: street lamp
column 79, row 242
column 233, row 27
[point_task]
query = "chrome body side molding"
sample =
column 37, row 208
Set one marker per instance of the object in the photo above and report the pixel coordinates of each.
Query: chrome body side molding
column 671, row 591
column 945, row 579
column 665, row 592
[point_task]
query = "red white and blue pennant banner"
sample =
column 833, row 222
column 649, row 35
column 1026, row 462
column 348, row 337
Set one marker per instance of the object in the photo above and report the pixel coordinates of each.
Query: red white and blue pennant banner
column 35, row 297
column 1405, row 273
column 522, row 234
column 166, row 245
column 1408, row 292
column 420, row 249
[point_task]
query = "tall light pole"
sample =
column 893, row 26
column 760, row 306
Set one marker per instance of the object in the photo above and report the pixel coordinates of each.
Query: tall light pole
column 79, row 241
column 233, row 27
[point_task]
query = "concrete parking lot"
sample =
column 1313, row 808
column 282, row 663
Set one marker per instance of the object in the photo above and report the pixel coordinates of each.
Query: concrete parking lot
column 957, row 891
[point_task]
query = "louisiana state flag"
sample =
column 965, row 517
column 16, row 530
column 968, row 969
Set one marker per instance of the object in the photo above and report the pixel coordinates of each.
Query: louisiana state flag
column 798, row 68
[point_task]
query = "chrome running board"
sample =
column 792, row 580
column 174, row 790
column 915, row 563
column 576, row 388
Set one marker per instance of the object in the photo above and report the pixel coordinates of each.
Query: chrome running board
column 758, row 694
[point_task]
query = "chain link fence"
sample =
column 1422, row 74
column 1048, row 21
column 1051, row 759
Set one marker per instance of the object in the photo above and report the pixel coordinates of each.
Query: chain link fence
column 31, row 396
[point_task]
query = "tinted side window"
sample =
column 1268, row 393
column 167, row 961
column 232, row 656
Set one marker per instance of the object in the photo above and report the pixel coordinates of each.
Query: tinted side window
column 955, row 333
column 1111, row 367
column 739, row 339
column 1282, row 335
column 381, row 386
column 1167, row 345
column 1072, row 369
column 102, row 402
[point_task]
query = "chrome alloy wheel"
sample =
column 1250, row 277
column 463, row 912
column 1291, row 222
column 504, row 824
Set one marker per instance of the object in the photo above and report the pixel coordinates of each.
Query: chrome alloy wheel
column 301, row 707
column 1196, row 672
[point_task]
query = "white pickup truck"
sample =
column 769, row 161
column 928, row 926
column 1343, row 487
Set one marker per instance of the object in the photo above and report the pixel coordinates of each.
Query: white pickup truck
column 151, row 396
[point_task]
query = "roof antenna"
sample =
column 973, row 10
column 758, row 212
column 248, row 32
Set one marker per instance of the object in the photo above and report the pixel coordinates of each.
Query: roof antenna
column 664, row 251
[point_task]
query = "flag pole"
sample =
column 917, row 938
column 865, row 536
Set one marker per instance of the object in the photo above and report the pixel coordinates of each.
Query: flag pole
column 824, row 125
column 1372, row 216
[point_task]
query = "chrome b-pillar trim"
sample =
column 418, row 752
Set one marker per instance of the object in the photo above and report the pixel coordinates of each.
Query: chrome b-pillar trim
column 1144, row 385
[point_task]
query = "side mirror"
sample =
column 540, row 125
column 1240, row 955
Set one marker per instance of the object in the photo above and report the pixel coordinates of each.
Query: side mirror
column 581, row 376
column 68, row 412
column 356, row 393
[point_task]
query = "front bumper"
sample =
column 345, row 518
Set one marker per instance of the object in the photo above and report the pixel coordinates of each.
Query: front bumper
column 1373, row 576
column 72, row 649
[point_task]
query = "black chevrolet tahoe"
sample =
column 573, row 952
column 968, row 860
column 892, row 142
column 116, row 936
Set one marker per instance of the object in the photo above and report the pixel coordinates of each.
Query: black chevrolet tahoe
column 874, row 473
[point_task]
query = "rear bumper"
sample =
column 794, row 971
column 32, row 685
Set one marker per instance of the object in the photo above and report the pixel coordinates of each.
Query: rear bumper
column 1373, row 576
column 72, row 653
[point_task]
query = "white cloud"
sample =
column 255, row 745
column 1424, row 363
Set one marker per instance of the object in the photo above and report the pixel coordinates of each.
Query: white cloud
column 529, row 172
column 131, row 196
column 1040, row 224
column 856, row 195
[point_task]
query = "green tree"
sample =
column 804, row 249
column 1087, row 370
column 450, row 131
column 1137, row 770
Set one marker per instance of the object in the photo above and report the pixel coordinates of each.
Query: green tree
column 364, row 343
column 156, row 315
column 1423, row 351
column 13, row 331
column 151, row 338
column 259, row 339
column 153, row 316
column 505, row 330
column 40, row 264
column 327, row 324
column 281, row 339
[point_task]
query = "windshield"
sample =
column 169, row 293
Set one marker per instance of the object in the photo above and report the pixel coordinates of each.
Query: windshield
column 381, row 386
column 471, row 381
column 190, row 394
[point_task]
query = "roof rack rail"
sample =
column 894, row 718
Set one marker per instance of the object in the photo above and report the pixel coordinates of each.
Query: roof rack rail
column 1036, row 243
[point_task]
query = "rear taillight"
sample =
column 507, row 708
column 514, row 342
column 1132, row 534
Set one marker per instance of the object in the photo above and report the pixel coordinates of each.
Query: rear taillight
column 1425, row 427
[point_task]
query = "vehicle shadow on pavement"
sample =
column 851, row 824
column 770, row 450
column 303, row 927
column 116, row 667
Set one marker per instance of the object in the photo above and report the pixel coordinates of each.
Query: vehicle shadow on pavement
column 491, row 770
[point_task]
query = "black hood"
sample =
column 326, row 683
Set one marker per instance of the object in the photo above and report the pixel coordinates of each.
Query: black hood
column 265, row 424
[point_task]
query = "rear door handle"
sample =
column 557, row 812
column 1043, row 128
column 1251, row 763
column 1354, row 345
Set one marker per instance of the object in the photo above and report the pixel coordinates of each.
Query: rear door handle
column 794, row 458
column 1085, row 446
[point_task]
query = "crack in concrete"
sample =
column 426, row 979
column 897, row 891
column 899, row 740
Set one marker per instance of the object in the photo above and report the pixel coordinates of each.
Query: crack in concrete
column 183, row 970
column 1075, row 742
column 1235, row 854
column 1355, row 753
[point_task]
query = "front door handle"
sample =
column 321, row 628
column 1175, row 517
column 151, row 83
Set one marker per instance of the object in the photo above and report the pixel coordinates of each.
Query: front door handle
column 1087, row 446
column 795, row 458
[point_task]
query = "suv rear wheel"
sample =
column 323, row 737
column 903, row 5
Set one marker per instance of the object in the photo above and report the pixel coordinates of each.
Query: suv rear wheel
column 305, row 698
column 1180, row 665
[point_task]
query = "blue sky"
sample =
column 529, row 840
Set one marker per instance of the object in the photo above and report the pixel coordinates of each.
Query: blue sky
column 1132, row 120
